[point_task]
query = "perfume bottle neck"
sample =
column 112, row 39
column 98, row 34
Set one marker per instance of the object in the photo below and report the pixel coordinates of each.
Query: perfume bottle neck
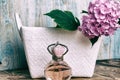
column 57, row 59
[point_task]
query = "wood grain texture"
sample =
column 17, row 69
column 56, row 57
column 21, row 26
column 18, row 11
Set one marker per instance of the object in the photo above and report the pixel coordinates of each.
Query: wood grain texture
column 31, row 12
column 11, row 49
column 110, row 47
column 102, row 72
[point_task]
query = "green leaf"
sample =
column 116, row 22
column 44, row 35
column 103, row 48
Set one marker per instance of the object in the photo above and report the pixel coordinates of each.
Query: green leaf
column 77, row 20
column 83, row 11
column 64, row 19
column 58, row 26
column 94, row 40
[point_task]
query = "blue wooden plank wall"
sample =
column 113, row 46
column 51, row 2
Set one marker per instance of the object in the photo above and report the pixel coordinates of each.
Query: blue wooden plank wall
column 11, row 48
column 31, row 12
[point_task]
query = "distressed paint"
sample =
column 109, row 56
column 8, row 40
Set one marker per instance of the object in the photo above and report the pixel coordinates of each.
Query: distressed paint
column 110, row 47
column 31, row 12
column 11, row 49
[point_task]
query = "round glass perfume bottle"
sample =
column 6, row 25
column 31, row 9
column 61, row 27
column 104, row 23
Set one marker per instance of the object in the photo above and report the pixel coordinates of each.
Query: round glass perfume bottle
column 57, row 69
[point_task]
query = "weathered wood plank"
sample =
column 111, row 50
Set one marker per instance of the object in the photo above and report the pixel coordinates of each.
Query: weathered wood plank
column 32, row 11
column 110, row 47
column 11, row 49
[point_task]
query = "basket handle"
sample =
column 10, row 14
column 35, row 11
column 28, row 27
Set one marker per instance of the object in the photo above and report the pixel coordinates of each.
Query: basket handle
column 19, row 23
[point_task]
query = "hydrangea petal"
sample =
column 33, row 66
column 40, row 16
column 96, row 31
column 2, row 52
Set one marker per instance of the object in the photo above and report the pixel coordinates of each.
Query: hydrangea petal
column 102, row 18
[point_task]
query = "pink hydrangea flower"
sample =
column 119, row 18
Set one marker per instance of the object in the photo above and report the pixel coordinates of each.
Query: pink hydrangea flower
column 102, row 18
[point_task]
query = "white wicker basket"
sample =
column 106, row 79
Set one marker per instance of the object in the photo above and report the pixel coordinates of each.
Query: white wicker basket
column 81, row 56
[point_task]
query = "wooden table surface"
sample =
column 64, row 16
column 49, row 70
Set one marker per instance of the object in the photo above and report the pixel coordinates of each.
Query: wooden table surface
column 105, row 70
